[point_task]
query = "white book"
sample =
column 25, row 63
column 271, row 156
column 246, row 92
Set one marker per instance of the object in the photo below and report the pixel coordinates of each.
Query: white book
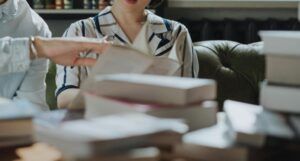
column 135, row 58
column 280, row 98
column 92, row 137
column 196, row 116
column 283, row 69
column 155, row 89
column 284, row 43
column 252, row 125
column 211, row 144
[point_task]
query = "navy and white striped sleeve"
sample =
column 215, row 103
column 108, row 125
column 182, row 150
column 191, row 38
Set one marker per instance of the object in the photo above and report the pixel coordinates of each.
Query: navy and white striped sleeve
column 68, row 77
column 190, row 59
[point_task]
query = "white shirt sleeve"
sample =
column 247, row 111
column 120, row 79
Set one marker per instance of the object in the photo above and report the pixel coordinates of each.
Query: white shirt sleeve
column 33, row 87
column 14, row 55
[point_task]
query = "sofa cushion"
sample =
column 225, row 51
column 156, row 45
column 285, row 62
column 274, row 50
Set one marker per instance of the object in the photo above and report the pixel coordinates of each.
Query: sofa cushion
column 238, row 68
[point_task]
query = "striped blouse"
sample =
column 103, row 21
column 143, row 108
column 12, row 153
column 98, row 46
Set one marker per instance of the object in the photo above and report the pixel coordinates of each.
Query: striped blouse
column 161, row 36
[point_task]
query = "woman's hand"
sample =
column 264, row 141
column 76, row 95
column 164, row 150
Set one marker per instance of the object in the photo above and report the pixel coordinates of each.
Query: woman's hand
column 66, row 51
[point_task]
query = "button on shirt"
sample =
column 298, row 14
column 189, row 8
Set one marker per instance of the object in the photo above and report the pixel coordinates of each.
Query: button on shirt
column 20, row 78
column 161, row 35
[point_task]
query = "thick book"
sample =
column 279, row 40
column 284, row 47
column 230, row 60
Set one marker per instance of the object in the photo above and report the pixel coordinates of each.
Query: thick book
column 281, row 43
column 59, row 4
column 16, row 125
column 68, row 4
column 92, row 137
column 282, row 56
column 16, row 118
column 252, row 125
column 196, row 116
column 280, row 98
column 50, row 4
column 38, row 4
column 211, row 144
column 283, row 70
column 135, row 58
column 165, row 90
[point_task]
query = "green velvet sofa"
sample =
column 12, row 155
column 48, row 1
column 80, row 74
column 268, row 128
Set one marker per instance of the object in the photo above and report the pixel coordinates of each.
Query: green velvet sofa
column 238, row 69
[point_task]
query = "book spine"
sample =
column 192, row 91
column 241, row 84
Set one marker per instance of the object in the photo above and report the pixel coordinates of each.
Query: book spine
column 59, row 4
column 89, row 4
column 78, row 4
column 86, row 4
column 68, row 4
column 95, row 4
column 39, row 4
column 50, row 4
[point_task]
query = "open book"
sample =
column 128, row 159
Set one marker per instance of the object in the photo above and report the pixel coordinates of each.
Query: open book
column 135, row 58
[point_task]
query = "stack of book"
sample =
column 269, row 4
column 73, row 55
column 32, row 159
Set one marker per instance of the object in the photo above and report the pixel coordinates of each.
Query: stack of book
column 66, row 4
column 126, row 136
column 15, row 123
column 281, row 91
column 161, row 96
column 244, row 132
column 269, row 131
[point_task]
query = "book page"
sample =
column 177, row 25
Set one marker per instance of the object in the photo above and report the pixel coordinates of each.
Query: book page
column 117, row 59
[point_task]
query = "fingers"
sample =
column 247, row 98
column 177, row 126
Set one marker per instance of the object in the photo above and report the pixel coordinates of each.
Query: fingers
column 98, row 47
column 85, row 62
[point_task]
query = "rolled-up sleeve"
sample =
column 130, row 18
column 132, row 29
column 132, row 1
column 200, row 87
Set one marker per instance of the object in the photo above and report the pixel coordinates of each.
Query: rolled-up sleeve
column 33, row 87
column 14, row 55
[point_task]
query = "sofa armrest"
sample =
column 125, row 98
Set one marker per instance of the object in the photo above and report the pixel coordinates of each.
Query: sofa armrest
column 238, row 68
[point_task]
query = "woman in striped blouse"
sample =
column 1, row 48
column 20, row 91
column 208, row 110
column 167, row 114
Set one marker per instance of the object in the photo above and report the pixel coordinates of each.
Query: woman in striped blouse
column 121, row 23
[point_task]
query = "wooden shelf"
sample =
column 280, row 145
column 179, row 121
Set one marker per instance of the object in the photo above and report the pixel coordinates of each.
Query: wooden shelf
column 67, row 11
column 61, row 14
column 287, row 4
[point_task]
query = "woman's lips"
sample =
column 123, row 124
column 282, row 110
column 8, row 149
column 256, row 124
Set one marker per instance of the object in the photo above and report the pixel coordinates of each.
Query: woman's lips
column 131, row 1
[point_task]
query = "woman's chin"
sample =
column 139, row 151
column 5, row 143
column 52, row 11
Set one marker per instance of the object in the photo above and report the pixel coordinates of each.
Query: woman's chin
column 131, row 2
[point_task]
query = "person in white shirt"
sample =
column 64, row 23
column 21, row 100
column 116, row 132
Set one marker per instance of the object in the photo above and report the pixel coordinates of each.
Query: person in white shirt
column 121, row 23
column 17, row 19
column 22, row 78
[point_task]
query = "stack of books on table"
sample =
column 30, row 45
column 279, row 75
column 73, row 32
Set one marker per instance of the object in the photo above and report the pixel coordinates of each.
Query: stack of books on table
column 269, row 131
column 130, row 136
column 16, row 126
column 244, row 132
column 191, row 100
column 281, row 91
